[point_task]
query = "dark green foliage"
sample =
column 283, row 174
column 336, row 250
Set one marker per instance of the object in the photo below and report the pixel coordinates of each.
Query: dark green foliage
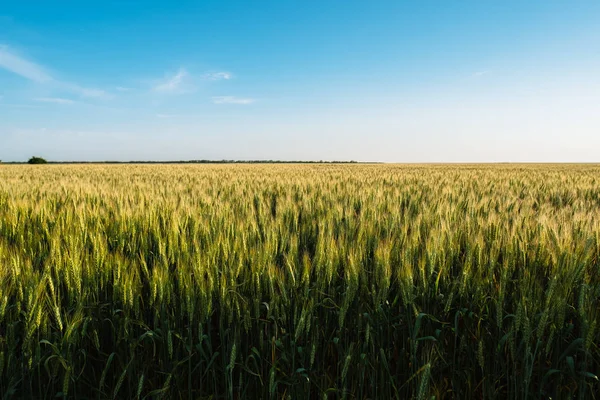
column 37, row 160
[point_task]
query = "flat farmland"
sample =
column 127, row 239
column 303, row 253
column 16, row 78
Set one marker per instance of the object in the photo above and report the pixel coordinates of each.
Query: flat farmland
column 301, row 281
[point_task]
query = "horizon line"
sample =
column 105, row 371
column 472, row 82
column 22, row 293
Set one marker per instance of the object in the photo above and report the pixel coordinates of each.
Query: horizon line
column 258, row 161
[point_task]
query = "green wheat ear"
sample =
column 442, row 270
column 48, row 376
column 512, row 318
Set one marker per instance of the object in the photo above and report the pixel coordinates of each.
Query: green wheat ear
column 318, row 277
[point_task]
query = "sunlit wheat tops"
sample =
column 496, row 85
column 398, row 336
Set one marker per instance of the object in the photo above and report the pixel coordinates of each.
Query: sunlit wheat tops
column 299, row 281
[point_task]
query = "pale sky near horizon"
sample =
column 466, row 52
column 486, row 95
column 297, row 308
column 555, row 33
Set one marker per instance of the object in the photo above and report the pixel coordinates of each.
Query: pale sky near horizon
column 394, row 81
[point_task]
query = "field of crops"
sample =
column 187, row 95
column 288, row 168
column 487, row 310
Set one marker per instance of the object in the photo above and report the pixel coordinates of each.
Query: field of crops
column 299, row 281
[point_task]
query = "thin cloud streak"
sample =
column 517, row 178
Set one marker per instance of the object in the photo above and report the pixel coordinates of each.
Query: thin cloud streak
column 35, row 72
column 217, row 76
column 56, row 100
column 173, row 84
column 88, row 92
column 232, row 100
column 20, row 66
column 480, row 73
column 19, row 105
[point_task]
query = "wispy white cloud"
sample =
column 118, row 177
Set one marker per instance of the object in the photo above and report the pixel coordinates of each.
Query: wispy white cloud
column 217, row 76
column 122, row 89
column 183, row 81
column 177, row 83
column 85, row 91
column 480, row 73
column 232, row 100
column 56, row 100
column 14, row 63
column 11, row 61
column 19, row 105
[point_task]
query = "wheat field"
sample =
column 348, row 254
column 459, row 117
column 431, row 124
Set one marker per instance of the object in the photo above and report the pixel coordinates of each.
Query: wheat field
column 299, row 281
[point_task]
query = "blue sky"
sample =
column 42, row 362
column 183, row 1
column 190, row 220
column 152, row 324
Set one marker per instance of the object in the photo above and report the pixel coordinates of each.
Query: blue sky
column 395, row 81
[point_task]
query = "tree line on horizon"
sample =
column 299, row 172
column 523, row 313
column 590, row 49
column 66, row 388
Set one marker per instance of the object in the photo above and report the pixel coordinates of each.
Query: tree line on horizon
column 40, row 160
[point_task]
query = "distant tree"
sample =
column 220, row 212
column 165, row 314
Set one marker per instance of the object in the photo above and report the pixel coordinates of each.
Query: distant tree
column 37, row 160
